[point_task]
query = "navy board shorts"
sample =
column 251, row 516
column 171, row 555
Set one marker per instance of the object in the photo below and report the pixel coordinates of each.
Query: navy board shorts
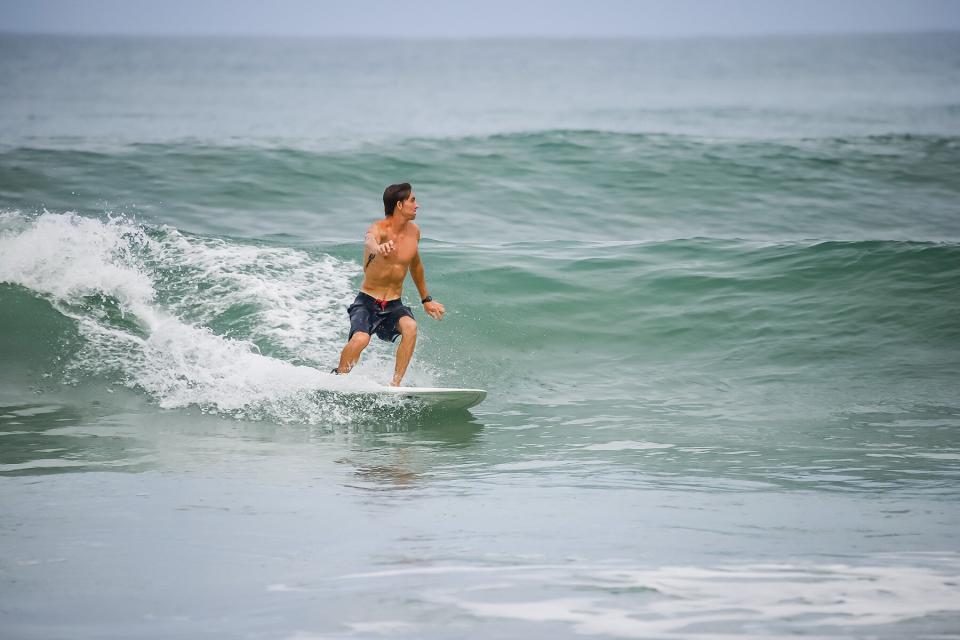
column 379, row 317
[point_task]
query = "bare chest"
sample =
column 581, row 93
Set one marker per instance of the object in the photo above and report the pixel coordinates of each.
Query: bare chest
column 404, row 248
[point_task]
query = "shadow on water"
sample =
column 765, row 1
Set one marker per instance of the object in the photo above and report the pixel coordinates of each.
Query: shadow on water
column 49, row 438
column 458, row 428
column 405, row 454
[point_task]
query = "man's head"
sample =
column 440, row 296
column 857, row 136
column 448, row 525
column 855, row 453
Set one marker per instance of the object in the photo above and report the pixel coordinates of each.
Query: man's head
column 399, row 197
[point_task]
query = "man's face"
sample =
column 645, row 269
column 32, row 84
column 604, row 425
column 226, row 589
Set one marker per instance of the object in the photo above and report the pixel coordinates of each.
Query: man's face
column 408, row 208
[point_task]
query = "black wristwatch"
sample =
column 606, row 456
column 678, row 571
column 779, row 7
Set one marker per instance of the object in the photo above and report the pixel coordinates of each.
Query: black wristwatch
column 426, row 300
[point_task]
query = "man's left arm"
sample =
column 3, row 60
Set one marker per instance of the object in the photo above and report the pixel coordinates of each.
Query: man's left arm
column 433, row 308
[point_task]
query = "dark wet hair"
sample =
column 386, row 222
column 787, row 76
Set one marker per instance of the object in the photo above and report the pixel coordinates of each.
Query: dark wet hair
column 393, row 194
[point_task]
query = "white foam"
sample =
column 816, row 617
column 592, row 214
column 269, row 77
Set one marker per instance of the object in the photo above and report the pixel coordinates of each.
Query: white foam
column 770, row 600
column 384, row 627
column 172, row 286
column 68, row 256
column 938, row 456
column 299, row 298
column 284, row 588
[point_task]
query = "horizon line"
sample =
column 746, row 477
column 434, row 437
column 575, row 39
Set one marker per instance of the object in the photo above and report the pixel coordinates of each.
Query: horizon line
column 532, row 36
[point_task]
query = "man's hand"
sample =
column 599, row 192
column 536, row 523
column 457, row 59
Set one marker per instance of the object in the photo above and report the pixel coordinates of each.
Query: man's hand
column 386, row 248
column 434, row 309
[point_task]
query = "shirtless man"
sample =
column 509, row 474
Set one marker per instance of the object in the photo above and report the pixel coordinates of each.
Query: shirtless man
column 390, row 250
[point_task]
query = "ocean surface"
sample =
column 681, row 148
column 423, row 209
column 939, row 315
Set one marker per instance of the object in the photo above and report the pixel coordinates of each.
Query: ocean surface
column 712, row 287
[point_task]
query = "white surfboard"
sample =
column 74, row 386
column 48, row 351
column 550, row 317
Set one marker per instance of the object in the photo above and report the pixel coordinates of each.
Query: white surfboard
column 439, row 397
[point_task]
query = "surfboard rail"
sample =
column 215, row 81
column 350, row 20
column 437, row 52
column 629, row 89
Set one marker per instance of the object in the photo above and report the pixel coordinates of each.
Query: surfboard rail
column 439, row 397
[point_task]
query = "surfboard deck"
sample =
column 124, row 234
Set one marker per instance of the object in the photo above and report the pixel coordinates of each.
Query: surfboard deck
column 439, row 397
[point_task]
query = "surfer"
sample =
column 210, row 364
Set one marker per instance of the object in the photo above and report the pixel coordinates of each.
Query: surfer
column 390, row 251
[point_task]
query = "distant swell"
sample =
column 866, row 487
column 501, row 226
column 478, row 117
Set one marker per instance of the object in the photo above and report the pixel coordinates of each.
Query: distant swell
column 551, row 184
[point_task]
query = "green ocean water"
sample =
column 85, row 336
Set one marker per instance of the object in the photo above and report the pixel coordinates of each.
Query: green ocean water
column 711, row 286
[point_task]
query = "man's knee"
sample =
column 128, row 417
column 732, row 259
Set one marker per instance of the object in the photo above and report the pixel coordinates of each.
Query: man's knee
column 408, row 327
column 360, row 339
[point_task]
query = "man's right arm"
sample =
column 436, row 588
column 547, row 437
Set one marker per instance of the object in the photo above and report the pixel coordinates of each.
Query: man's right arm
column 372, row 245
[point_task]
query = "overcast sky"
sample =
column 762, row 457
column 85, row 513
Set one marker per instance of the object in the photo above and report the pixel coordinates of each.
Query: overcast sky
column 483, row 18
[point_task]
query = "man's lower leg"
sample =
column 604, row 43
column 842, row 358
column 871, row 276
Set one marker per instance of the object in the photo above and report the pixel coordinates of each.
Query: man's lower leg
column 404, row 354
column 351, row 353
